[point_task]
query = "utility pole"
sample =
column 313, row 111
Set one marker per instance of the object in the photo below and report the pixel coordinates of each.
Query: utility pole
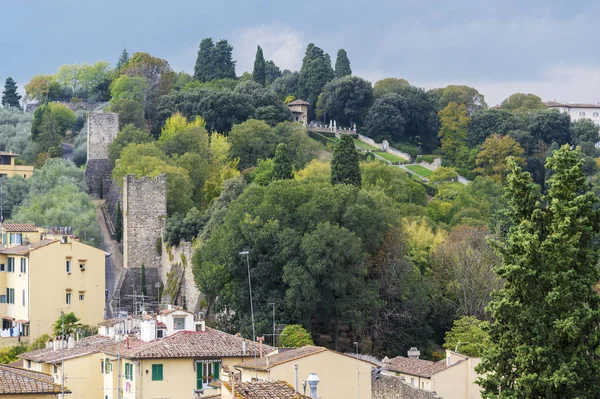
column 1, row 210
column 62, row 318
column 247, row 253
column 357, row 369
column 119, row 353
column 273, row 325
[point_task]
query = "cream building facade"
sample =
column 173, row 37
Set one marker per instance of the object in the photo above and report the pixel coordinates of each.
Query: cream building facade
column 9, row 168
column 300, row 110
column 42, row 275
column 578, row 111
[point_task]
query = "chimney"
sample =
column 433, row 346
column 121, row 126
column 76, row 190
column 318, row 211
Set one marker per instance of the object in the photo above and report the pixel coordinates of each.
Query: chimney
column 71, row 342
column 244, row 347
column 295, row 376
column 386, row 362
column 313, row 381
column 414, row 353
column 54, row 345
column 260, row 341
column 247, row 394
column 200, row 326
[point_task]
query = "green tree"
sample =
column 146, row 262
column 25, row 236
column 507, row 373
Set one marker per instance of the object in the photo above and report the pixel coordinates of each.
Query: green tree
column 469, row 96
column 66, row 325
column 282, row 164
column 222, row 61
column 443, row 174
column 123, row 59
column 468, row 336
column 315, row 73
column 389, row 85
column 130, row 112
column 346, row 100
column 39, row 343
column 454, row 122
column 259, row 73
column 119, row 223
column 486, row 122
column 387, row 119
column 550, row 126
column 10, row 97
column 344, row 165
column 203, row 70
column 130, row 88
column 251, row 141
column 286, row 85
column 51, row 122
column 544, row 337
column 295, row 336
column 129, row 134
column 521, row 103
column 584, row 130
column 491, row 159
column 272, row 72
column 342, row 64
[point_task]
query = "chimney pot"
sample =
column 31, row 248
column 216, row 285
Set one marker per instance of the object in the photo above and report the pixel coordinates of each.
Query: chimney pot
column 313, row 381
column 414, row 353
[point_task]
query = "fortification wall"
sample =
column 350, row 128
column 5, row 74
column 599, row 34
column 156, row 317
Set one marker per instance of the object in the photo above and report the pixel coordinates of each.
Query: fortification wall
column 102, row 130
column 390, row 387
column 176, row 274
column 144, row 212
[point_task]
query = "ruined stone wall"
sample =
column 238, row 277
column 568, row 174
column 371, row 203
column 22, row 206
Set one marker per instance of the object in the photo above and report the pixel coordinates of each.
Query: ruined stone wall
column 176, row 274
column 144, row 213
column 102, row 130
column 390, row 387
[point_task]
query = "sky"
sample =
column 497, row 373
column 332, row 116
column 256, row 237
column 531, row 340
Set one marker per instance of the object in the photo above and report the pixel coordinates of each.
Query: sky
column 499, row 47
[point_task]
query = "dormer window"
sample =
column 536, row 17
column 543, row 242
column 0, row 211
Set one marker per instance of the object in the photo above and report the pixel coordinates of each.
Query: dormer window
column 179, row 323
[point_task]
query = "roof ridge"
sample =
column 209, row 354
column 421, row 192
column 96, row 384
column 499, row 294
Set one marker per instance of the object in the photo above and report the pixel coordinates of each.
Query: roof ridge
column 23, row 373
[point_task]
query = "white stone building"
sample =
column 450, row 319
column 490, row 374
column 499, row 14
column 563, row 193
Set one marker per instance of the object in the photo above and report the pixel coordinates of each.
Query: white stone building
column 578, row 111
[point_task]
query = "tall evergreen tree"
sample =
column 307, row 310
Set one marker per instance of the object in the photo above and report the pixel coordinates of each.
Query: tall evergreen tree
column 222, row 61
column 259, row 73
column 143, row 280
column 344, row 165
column 282, row 163
column 10, row 97
column 203, row 70
column 119, row 224
column 545, row 334
column 342, row 64
column 315, row 73
column 123, row 59
column 272, row 72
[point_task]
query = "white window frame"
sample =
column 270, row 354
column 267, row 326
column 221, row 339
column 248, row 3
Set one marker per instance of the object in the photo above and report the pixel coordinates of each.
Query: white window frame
column 596, row 114
column 176, row 319
column 581, row 113
column 68, row 298
column 81, row 296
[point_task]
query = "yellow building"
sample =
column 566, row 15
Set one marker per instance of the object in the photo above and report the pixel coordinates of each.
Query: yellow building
column 41, row 275
column 8, row 168
column 340, row 375
column 25, row 384
column 450, row 378
column 83, row 360
column 300, row 110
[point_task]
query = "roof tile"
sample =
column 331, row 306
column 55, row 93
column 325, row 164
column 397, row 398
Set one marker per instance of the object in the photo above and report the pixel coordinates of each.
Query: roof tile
column 14, row 380
column 265, row 390
column 20, row 227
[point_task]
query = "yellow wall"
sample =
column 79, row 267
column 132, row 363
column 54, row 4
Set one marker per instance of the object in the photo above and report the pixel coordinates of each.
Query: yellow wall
column 20, row 283
column 16, row 170
column 452, row 383
column 31, row 396
column 338, row 373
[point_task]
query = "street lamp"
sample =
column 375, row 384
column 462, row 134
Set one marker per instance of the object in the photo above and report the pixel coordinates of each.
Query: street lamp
column 247, row 253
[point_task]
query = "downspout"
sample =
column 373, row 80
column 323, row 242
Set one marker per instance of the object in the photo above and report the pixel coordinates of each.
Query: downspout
column 235, row 367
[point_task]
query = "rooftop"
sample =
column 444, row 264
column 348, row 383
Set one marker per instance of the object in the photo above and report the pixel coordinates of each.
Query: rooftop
column 173, row 309
column 265, row 390
column 554, row 104
column 417, row 367
column 83, row 347
column 8, row 154
column 26, row 248
column 17, row 381
column 189, row 344
column 19, row 227
column 298, row 102
column 283, row 356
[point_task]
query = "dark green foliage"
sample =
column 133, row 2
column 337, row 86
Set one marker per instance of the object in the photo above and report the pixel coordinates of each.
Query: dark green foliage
column 259, row 73
column 468, row 336
column 282, row 163
column 128, row 135
column 9, row 354
column 386, row 119
column 130, row 112
column 51, row 121
column 203, row 71
column 10, row 97
column 486, row 122
column 394, row 182
column 184, row 227
column 119, row 223
column 272, row 72
column 214, row 61
column 544, row 334
column 286, row 85
column 550, row 126
column 584, row 130
column 66, row 325
column 345, row 100
column 315, row 73
column 344, row 165
column 123, row 59
column 143, row 280
column 14, row 191
column 342, row 64
column 295, row 336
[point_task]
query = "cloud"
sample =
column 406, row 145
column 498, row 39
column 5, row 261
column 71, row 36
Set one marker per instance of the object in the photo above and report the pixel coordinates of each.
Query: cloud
column 280, row 43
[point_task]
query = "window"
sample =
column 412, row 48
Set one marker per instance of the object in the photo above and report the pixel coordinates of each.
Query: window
column 2, row 298
column 68, row 266
column 15, row 238
column 55, row 369
column 178, row 323
column 582, row 114
column 11, row 264
column 29, row 364
column 129, row 371
column 206, row 373
column 68, row 298
column 157, row 372
column 596, row 114
column 159, row 334
column 413, row 382
column 102, row 366
column 10, row 295
column 23, row 297
column 82, row 267
column 107, row 366
column 23, row 265
column 2, row 267
column 81, row 297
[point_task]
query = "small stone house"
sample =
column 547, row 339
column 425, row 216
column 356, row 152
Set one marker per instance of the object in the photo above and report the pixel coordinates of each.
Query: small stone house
column 300, row 110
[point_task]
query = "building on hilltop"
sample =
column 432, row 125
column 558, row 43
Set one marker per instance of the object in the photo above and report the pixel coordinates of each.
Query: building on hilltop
column 26, row 384
column 451, row 378
column 577, row 111
column 8, row 167
column 42, row 274
column 300, row 110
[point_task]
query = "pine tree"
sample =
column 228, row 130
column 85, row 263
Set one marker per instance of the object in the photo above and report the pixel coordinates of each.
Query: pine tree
column 222, row 61
column 342, row 64
column 545, row 335
column 10, row 97
column 119, row 224
column 259, row 73
column 203, row 71
column 315, row 73
column 282, row 163
column 344, row 165
column 123, row 59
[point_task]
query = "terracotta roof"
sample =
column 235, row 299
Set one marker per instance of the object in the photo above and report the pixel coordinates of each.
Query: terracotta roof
column 189, row 344
column 417, row 367
column 20, row 227
column 298, row 102
column 109, row 322
column 83, row 347
column 25, row 249
column 570, row 105
column 265, row 390
column 166, row 312
column 283, row 356
column 16, row 363
column 18, row 381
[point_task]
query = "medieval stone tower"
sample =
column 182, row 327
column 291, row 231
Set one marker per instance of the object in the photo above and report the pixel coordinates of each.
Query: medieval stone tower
column 144, row 213
column 102, row 130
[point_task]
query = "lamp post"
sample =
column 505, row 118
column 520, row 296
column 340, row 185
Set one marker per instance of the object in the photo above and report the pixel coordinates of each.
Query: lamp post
column 247, row 253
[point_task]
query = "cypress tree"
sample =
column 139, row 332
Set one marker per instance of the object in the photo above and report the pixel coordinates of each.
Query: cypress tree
column 259, row 73
column 203, row 70
column 119, row 224
column 315, row 73
column 123, row 59
column 545, row 334
column 222, row 61
column 342, row 64
column 344, row 165
column 282, row 163
column 10, row 97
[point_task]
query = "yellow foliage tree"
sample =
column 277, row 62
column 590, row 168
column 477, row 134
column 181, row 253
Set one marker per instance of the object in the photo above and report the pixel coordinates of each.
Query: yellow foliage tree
column 177, row 123
column 491, row 160
column 420, row 239
column 454, row 121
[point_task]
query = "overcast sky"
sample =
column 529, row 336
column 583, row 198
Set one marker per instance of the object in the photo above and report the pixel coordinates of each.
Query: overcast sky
column 499, row 47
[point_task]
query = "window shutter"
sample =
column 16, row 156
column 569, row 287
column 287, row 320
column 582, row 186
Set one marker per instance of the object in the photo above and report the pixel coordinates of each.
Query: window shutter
column 216, row 370
column 199, row 375
column 131, row 371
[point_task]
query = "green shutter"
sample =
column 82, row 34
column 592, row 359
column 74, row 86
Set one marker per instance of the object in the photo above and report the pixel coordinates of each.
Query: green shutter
column 198, row 375
column 216, row 370
column 126, row 371
column 131, row 371
column 4, row 238
column 157, row 372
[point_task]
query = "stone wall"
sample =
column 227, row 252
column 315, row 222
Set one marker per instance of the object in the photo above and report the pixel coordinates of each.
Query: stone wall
column 102, row 130
column 390, row 387
column 176, row 268
column 437, row 162
column 144, row 213
column 97, row 177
